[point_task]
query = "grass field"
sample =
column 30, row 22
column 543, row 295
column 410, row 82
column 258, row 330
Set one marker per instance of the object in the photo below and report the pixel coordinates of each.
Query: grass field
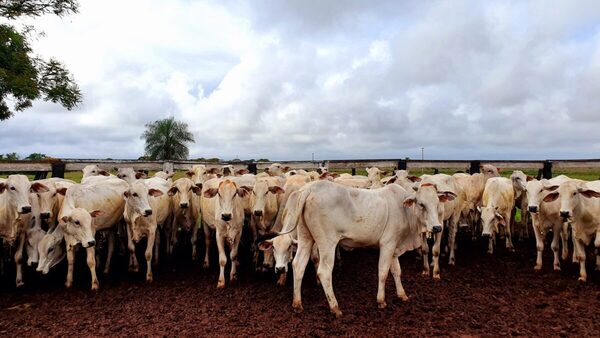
column 583, row 174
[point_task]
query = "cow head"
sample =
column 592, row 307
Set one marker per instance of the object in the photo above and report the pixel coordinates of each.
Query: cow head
column 572, row 194
column 34, row 236
column 51, row 249
column 427, row 203
column 137, row 204
column 227, row 170
column 283, row 248
column 17, row 189
column 78, row 225
column 182, row 191
column 489, row 171
column 129, row 175
column 49, row 201
column 519, row 182
column 490, row 219
column 93, row 170
column 261, row 193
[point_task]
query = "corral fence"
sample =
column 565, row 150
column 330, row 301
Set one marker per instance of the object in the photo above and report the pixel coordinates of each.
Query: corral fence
column 58, row 167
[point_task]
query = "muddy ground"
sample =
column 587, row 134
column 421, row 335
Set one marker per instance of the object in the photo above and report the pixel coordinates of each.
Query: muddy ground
column 496, row 295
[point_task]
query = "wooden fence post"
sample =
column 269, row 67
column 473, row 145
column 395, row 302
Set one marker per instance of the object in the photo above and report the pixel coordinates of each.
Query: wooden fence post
column 474, row 167
column 353, row 171
column 402, row 165
column 252, row 168
column 58, row 169
column 547, row 170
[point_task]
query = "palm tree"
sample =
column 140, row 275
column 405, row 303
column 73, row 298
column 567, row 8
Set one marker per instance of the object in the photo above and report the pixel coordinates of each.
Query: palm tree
column 167, row 139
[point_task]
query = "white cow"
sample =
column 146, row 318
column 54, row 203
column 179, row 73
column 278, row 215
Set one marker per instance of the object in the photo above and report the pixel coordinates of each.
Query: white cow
column 473, row 186
column 545, row 217
column 92, row 170
column 88, row 208
column 142, row 208
column 51, row 249
column 186, row 208
column 383, row 218
column 580, row 205
column 16, row 214
column 498, row 202
column 228, row 222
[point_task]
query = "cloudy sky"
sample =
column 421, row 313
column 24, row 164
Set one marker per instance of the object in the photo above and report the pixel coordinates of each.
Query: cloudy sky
column 342, row 79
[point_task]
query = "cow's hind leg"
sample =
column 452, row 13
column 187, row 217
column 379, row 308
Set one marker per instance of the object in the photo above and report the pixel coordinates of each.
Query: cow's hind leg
column 327, row 261
column 435, row 252
column 111, row 249
column 19, row 259
column 425, row 255
column 148, row 255
column 207, row 240
column 91, row 261
column 397, row 273
column 305, row 244
column 385, row 256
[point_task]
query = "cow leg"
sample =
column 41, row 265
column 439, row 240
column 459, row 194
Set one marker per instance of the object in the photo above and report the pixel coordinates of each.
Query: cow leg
column 148, row 255
column 397, row 273
column 111, row 250
column 91, row 261
column 579, row 255
column 19, row 259
column 436, row 255
column 173, row 235
column 425, row 255
column 565, row 240
column 491, row 242
column 452, row 230
column 133, row 263
column 222, row 259
column 156, row 247
column 233, row 255
column 194, row 239
column 539, row 242
column 384, row 263
column 207, row 239
column 305, row 244
column 327, row 261
column 314, row 257
column 555, row 246
column 70, row 261
column 254, row 249
column 508, row 231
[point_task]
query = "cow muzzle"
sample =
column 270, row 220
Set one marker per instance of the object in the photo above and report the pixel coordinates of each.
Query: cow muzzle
column 90, row 244
column 45, row 215
column 279, row 269
column 486, row 235
column 226, row 217
column 25, row 210
column 183, row 205
column 258, row 213
column 532, row 209
column 565, row 214
column 147, row 212
column 436, row 229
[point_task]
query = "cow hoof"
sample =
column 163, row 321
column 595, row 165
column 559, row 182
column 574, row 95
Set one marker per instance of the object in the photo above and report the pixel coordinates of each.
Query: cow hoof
column 221, row 285
column 425, row 273
column 105, row 272
column 557, row 268
column 381, row 305
column 206, row 265
column 95, row 286
column 537, row 269
column 68, row 285
column 20, row 283
column 297, row 306
column 336, row 312
column 582, row 279
column 437, row 277
column 403, row 297
column 490, row 253
column 149, row 279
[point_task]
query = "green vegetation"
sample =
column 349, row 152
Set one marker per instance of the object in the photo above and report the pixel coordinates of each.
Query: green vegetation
column 167, row 139
column 25, row 77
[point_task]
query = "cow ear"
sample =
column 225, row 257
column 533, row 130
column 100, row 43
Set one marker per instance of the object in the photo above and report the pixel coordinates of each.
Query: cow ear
column 548, row 186
column 410, row 201
column 126, row 193
column 276, row 190
column 384, row 173
column 103, row 173
column 414, row 178
column 391, row 180
column 446, row 196
column 499, row 170
column 61, row 191
column 210, row 193
column 285, row 169
column 2, row 187
column 529, row 178
column 66, row 219
column 197, row 190
column 219, row 175
column 335, row 175
column 172, row 191
column 115, row 169
column 189, row 173
column 589, row 193
column 265, row 245
column 242, row 171
column 212, row 171
column 479, row 208
column 551, row 197
column 243, row 191
column 139, row 175
column 38, row 187
column 155, row 193
column 500, row 219
column 96, row 213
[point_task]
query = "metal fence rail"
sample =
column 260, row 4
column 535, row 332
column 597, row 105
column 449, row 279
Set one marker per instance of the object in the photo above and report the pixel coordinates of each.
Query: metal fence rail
column 58, row 167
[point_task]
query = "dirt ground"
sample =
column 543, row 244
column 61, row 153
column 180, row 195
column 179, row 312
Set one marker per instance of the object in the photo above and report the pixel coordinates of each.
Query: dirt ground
column 496, row 295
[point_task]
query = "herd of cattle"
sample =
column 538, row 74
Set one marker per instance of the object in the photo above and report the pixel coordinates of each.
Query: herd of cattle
column 292, row 216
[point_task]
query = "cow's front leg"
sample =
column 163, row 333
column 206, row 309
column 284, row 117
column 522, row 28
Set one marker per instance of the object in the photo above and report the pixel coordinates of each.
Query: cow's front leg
column 156, row 247
column 327, row 261
column 425, row 255
column 70, row 261
column 385, row 256
column 436, row 255
column 305, row 244
column 91, row 261
column 148, row 255
column 194, row 239
column 19, row 259
column 579, row 255
column 555, row 247
column 111, row 250
column 539, row 243
column 233, row 255
column 207, row 239
column 222, row 259
column 397, row 274
column 133, row 263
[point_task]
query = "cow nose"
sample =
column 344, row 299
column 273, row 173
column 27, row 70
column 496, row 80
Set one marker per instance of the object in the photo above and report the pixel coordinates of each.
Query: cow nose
column 183, row 205
column 91, row 243
column 564, row 214
column 279, row 269
column 437, row 228
column 148, row 212
column 26, row 210
column 258, row 213
column 486, row 235
column 533, row 208
column 45, row 215
column 226, row 217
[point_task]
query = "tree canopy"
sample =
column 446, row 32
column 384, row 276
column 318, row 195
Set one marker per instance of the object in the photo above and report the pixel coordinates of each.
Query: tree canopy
column 24, row 76
column 167, row 139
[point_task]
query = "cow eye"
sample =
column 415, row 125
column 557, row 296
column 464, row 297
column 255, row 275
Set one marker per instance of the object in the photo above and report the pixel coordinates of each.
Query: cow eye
column 422, row 205
column 50, row 250
column 77, row 222
column 124, row 175
column 54, row 195
column 12, row 188
column 575, row 193
column 135, row 194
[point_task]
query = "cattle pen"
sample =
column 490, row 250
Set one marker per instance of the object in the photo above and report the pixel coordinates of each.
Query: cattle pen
column 494, row 295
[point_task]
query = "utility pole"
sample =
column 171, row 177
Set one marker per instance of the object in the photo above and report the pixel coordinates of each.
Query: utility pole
column 422, row 159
